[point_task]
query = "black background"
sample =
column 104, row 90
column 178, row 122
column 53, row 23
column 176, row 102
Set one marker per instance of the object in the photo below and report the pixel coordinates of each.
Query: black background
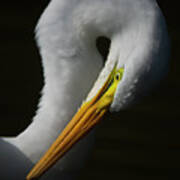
column 143, row 143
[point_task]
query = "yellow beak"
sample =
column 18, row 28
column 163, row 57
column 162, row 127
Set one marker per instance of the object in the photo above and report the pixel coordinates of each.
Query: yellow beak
column 84, row 120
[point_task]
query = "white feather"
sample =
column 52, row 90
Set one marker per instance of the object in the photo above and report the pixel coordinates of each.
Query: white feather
column 66, row 35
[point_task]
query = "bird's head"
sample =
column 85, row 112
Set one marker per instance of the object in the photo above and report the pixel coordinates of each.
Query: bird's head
column 88, row 115
column 137, row 59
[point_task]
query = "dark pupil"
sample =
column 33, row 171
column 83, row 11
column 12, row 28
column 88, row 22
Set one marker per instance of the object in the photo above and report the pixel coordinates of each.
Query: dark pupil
column 117, row 76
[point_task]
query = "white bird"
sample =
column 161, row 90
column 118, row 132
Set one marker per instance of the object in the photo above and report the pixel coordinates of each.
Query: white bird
column 74, row 73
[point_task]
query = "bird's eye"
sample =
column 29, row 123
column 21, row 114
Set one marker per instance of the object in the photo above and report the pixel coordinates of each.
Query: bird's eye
column 118, row 76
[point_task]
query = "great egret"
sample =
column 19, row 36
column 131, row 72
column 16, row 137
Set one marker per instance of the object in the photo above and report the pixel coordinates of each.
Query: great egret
column 66, row 35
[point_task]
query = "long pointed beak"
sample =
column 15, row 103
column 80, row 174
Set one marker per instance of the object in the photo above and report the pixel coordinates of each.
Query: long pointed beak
column 84, row 120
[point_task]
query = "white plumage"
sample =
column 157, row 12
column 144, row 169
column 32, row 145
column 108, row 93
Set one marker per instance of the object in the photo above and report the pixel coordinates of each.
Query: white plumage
column 66, row 36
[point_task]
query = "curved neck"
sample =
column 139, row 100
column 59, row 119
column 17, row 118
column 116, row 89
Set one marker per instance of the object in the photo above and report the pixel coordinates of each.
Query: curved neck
column 67, row 82
column 69, row 74
column 71, row 63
